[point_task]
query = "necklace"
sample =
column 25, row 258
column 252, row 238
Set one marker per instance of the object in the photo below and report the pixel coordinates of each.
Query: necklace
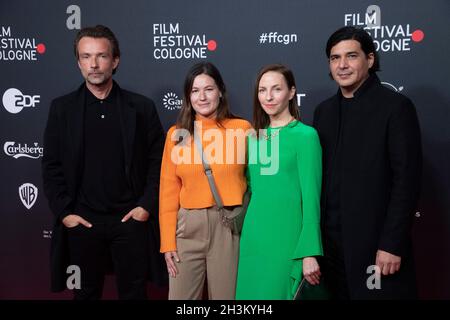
column 276, row 132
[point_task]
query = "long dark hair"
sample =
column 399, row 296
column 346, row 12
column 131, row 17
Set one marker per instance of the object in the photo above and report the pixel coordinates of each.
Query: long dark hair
column 186, row 117
column 260, row 118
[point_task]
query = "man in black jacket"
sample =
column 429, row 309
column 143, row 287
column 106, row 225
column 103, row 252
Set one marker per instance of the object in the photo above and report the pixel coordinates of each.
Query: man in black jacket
column 372, row 162
column 103, row 148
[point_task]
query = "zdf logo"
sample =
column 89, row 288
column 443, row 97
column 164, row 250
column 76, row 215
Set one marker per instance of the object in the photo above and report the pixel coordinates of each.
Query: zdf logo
column 14, row 100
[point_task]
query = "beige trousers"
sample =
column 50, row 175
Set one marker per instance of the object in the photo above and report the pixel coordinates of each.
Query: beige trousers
column 206, row 249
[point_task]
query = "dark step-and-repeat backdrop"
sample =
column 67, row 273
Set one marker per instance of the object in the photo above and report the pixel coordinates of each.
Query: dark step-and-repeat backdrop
column 160, row 40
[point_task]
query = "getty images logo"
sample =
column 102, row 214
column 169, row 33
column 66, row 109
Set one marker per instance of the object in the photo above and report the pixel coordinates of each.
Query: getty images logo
column 17, row 150
column 28, row 194
column 14, row 100
column 171, row 101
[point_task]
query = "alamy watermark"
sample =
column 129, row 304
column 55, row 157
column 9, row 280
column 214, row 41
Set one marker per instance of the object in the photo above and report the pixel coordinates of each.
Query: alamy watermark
column 74, row 279
column 227, row 148
column 374, row 280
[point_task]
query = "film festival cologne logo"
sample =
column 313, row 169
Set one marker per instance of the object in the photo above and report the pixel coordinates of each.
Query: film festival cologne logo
column 15, row 48
column 388, row 37
column 170, row 43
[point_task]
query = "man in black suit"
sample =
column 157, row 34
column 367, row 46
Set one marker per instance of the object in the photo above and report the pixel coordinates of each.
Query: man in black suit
column 372, row 162
column 103, row 148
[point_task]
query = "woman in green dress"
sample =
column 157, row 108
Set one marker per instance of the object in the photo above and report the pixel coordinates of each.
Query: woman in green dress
column 281, row 233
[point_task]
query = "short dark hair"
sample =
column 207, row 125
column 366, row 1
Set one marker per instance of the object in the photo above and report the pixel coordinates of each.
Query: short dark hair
column 260, row 118
column 360, row 35
column 99, row 31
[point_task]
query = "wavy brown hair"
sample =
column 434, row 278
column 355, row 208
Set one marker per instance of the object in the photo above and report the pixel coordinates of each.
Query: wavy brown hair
column 260, row 119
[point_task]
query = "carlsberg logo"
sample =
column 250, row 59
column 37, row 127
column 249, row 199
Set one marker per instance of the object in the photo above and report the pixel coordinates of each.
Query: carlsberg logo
column 18, row 150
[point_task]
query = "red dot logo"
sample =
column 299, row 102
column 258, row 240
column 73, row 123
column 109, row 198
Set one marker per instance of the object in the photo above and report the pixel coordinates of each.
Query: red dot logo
column 212, row 45
column 40, row 48
column 417, row 35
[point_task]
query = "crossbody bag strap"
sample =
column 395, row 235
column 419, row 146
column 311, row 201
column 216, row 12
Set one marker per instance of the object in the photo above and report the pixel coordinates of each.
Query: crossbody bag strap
column 208, row 172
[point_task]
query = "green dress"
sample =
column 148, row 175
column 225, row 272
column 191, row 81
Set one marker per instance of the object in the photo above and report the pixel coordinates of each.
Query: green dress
column 282, row 224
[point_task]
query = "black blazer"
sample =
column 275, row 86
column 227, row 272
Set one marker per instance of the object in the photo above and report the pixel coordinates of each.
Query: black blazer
column 143, row 141
column 380, row 183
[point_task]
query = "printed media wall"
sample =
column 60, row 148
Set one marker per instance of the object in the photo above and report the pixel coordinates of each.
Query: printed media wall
column 160, row 40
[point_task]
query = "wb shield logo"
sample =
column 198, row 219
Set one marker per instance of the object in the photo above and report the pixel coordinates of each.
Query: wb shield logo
column 28, row 194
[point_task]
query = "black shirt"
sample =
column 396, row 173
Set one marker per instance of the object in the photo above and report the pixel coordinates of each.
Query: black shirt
column 333, row 209
column 104, row 188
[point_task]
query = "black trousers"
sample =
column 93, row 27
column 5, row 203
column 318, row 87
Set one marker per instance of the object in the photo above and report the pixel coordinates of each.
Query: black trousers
column 332, row 265
column 125, row 243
